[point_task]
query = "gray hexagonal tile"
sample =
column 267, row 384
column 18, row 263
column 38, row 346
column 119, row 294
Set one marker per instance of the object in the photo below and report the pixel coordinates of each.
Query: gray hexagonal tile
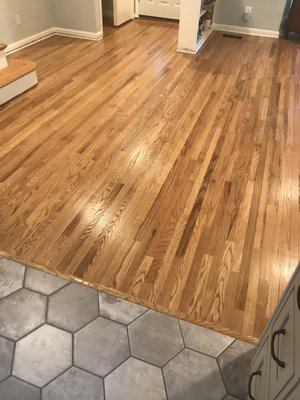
column 11, row 276
column 135, row 380
column 204, row 340
column 14, row 389
column 119, row 310
column 235, row 367
column 155, row 338
column 193, row 376
column 6, row 357
column 73, row 307
column 43, row 355
column 75, row 384
column 101, row 346
column 21, row 312
column 43, row 282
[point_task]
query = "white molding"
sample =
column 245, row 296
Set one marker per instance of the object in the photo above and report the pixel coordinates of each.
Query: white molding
column 17, row 87
column 3, row 60
column 199, row 44
column 28, row 41
column 78, row 34
column 136, row 9
column 245, row 30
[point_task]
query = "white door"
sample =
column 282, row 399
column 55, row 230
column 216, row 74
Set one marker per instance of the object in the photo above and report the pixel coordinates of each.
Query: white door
column 123, row 11
column 160, row 8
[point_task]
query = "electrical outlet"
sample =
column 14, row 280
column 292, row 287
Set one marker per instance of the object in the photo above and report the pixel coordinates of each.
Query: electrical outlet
column 248, row 9
column 18, row 20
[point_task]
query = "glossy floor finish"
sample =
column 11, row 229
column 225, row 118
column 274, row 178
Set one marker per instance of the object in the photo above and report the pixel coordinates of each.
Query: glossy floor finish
column 168, row 179
column 64, row 341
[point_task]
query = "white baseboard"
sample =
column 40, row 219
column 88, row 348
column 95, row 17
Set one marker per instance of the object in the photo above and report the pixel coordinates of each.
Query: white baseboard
column 245, row 30
column 20, row 44
column 78, row 34
column 17, row 87
column 11, row 48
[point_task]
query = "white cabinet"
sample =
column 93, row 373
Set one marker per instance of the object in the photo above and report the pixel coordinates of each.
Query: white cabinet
column 189, row 40
column 275, row 371
column 294, row 395
column 282, row 367
column 259, row 378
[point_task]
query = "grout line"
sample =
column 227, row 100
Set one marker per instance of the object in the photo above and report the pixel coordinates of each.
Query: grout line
column 222, row 377
column 175, row 355
column 13, row 358
column 129, row 341
column 226, row 348
column 182, row 335
column 73, row 348
column 10, row 294
column 118, row 366
column 22, row 380
column 164, row 382
column 58, row 376
column 25, row 274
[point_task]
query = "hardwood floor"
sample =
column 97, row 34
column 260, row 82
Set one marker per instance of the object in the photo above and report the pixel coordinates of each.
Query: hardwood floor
column 168, row 179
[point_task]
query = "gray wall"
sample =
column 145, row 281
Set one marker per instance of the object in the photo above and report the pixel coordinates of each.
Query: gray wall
column 36, row 17
column 266, row 14
column 80, row 15
column 39, row 15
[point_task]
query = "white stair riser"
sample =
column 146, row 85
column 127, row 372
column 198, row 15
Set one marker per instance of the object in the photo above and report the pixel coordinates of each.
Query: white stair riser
column 18, row 87
column 3, row 61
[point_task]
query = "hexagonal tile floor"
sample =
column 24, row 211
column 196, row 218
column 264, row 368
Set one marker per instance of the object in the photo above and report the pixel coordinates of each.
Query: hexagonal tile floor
column 63, row 341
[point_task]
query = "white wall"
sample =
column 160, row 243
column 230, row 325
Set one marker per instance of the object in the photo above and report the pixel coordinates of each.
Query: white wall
column 267, row 14
column 36, row 16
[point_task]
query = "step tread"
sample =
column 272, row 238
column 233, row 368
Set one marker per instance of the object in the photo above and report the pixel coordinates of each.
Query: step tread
column 2, row 46
column 16, row 69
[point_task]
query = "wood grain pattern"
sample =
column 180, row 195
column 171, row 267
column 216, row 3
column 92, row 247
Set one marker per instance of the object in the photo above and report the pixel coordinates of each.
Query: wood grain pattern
column 168, row 179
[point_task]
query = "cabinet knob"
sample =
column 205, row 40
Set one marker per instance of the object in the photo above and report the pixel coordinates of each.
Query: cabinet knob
column 252, row 376
column 273, row 354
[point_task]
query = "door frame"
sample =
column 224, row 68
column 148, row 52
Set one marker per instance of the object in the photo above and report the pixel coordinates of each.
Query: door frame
column 136, row 9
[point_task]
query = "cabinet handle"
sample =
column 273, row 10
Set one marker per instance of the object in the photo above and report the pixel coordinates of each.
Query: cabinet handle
column 257, row 373
column 298, row 297
column 273, row 354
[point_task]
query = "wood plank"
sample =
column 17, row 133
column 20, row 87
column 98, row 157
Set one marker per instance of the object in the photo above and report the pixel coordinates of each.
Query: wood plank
column 167, row 179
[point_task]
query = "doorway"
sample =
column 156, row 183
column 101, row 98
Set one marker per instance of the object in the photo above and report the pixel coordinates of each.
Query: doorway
column 117, row 12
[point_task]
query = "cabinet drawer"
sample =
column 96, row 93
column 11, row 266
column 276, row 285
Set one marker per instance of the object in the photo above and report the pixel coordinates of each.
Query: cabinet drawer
column 258, row 382
column 282, row 368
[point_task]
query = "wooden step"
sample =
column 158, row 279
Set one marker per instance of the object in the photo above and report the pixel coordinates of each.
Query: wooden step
column 16, row 69
column 15, row 79
column 2, row 46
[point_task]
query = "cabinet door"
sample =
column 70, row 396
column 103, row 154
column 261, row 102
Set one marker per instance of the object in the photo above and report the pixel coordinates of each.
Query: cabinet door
column 283, row 347
column 258, row 382
column 295, row 395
